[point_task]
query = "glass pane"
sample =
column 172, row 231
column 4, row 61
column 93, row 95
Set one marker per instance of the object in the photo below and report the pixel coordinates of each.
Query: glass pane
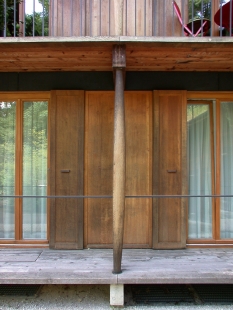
column 35, row 115
column 200, row 178
column 226, row 215
column 7, row 169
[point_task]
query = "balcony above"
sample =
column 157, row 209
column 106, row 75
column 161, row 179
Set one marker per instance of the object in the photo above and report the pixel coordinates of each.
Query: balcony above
column 138, row 18
column 78, row 35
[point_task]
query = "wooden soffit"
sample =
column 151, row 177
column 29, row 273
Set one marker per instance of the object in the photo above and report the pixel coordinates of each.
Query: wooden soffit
column 95, row 54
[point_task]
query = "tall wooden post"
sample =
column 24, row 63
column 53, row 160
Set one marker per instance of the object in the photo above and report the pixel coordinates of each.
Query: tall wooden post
column 119, row 63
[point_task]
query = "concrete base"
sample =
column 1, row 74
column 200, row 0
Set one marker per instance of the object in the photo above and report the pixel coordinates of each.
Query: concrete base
column 117, row 295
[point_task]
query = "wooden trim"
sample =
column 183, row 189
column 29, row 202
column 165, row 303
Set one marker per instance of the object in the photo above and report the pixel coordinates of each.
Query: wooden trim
column 212, row 95
column 20, row 97
column 212, row 169
column 150, row 172
column 23, row 246
column 52, row 168
column 48, row 171
column 85, row 186
column 214, row 26
column 193, row 246
column 209, row 241
column 18, row 169
column 155, row 168
column 24, row 241
column 218, row 167
column 184, row 180
column 201, row 241
column 25, row 96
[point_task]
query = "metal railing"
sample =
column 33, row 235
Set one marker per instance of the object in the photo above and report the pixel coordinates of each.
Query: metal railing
column 68, row 18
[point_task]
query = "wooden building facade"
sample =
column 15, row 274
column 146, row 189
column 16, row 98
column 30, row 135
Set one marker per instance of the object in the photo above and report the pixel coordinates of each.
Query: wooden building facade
column 110, row 131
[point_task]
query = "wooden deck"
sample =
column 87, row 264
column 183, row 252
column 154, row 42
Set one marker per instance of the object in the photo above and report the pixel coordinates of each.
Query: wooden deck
column 40, row 266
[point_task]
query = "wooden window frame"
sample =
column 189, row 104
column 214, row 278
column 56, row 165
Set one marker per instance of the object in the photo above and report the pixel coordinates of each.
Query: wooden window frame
column 218, row 97
column 211, row 115
column 20, row 98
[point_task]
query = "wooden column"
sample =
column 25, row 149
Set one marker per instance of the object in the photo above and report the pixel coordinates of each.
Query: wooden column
column 119, row 63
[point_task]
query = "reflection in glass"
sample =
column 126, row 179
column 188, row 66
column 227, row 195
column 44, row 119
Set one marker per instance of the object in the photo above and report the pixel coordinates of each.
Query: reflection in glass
column 7, row 169
column 199, row 158
column 35, row 115
column 226, row 213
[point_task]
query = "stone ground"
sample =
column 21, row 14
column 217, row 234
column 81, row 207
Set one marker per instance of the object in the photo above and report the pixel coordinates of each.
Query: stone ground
column 67, row 297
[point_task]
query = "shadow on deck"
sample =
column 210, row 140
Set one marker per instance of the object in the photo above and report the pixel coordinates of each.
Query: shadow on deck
column 40, row 266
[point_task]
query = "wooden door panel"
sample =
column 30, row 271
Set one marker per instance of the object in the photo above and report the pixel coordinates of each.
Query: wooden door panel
column 66, row 168
column 99, row 166
column 169, row 169
column 138, row 216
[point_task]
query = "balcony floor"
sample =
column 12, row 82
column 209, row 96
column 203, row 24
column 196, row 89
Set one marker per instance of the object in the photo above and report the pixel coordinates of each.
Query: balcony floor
column 95, row 54
column 44, row 266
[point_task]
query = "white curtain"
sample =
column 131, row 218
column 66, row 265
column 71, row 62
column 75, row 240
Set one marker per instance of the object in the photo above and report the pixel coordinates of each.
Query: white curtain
column 226, row 215
column 199, row 159
column 35, row 116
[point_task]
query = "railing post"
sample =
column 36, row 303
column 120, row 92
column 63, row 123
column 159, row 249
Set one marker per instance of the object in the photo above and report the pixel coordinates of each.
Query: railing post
column 119, row 161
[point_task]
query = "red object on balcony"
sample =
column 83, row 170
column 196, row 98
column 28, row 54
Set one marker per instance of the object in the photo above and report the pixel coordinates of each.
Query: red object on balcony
column 195, row 27
column 223, row 17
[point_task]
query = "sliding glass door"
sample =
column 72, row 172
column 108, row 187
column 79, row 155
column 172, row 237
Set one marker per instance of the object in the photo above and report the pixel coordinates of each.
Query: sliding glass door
column 226, row 182
column 7, row 168
column 23, row 170
column 210, row 171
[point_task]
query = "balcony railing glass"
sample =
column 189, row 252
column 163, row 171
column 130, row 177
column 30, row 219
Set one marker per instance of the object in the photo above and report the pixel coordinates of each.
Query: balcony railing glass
column 29, row 18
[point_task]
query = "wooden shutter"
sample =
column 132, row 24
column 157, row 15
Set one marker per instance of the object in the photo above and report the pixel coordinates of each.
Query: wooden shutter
column 169, row 169
column 99, row 112
column 66, row 168
column 99, row 116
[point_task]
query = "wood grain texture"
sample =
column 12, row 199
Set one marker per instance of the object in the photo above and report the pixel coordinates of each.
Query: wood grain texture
column 169, row 220
column 138, row 211
column 119, row 163
column 99, row 165
column 168, row 25
column 151, row 55
column 66, row 152
column 95, row 266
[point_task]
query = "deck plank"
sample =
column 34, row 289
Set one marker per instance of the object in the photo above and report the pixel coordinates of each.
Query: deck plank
column 95, row 266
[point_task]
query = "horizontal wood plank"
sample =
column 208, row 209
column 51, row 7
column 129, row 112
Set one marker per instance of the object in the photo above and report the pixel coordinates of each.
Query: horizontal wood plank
column 95, row 266
column 215, row 55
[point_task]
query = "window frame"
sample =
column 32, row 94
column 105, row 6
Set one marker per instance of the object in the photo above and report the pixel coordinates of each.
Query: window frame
column 218, row 97
column 20, row 98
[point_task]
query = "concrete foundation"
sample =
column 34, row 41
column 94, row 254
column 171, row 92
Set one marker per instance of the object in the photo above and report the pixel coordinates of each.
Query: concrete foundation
column 117, row 295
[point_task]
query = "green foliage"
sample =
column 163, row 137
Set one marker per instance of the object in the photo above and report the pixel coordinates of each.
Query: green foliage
column 35, row 24
column 41, row 21
column 2, row 16
column 199, row 8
